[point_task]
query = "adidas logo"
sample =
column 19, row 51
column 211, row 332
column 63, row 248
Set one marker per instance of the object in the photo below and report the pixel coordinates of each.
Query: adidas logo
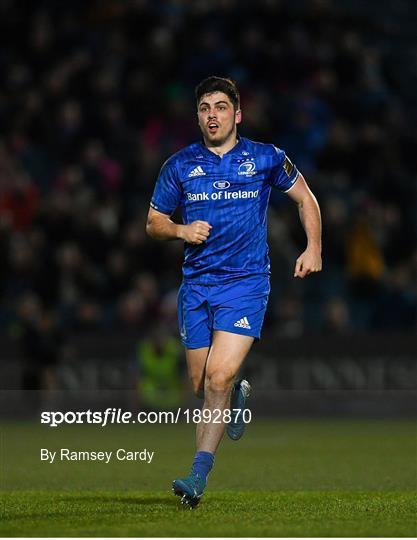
column 198, row 171
column 243, row 323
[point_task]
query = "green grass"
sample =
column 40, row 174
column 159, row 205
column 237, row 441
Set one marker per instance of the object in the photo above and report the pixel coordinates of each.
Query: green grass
column 223, row 513
column 284, row 478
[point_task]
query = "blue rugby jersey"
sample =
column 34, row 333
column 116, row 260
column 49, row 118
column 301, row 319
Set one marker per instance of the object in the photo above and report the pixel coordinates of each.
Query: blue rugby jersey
column 231, row 193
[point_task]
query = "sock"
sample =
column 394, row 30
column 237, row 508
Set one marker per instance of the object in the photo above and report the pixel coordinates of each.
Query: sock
column 203, row 463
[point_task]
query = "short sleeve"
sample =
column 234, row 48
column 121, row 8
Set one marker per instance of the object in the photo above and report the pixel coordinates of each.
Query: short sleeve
column 167, row 193
column 283, row 172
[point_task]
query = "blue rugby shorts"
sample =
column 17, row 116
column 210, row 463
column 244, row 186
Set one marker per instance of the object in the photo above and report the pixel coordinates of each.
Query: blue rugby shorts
column 237, row 306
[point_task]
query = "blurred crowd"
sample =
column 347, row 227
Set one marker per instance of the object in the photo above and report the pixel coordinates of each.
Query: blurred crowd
column 94, row 96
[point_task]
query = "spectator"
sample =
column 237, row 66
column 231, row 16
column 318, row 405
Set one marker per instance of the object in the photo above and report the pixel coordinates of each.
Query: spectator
column 93, row 98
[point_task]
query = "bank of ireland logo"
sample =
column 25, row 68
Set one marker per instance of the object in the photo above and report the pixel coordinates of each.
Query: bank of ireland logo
column 221, row 184
column 247, row 168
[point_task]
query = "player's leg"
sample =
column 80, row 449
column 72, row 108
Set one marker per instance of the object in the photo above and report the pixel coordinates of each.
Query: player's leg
column 195, row 324
column 196, row 364
column 240, row 309
column 240, row 392
column 226, row 356
column 195, row 320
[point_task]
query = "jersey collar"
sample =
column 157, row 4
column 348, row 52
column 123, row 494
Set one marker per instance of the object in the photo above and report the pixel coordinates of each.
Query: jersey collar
column 237, row 147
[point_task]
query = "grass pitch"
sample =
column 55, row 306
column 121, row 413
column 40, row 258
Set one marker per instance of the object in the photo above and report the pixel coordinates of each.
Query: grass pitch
column 284, row 478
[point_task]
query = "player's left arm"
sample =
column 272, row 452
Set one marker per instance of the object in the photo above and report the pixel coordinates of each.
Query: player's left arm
column 310, row 260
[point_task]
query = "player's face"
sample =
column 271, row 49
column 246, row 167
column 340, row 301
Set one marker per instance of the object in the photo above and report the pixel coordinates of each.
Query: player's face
column 217, row 118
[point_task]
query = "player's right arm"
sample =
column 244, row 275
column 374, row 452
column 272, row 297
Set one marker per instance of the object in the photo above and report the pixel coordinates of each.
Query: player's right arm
column 165, row 199
column 159, row 226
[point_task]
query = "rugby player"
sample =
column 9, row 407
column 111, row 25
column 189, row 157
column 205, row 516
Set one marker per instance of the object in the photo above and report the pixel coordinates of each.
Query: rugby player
column 222, row 184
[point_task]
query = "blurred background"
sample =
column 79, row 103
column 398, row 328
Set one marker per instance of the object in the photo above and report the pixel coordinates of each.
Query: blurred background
column 95, row 95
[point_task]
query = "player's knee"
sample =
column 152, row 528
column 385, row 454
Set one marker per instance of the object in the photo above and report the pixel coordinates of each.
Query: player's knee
column 219, row 381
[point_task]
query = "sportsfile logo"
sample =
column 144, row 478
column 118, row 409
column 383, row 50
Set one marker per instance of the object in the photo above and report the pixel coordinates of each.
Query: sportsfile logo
column 222, row 195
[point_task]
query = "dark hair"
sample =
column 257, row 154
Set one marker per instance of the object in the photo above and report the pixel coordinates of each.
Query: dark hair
column 218, row 84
